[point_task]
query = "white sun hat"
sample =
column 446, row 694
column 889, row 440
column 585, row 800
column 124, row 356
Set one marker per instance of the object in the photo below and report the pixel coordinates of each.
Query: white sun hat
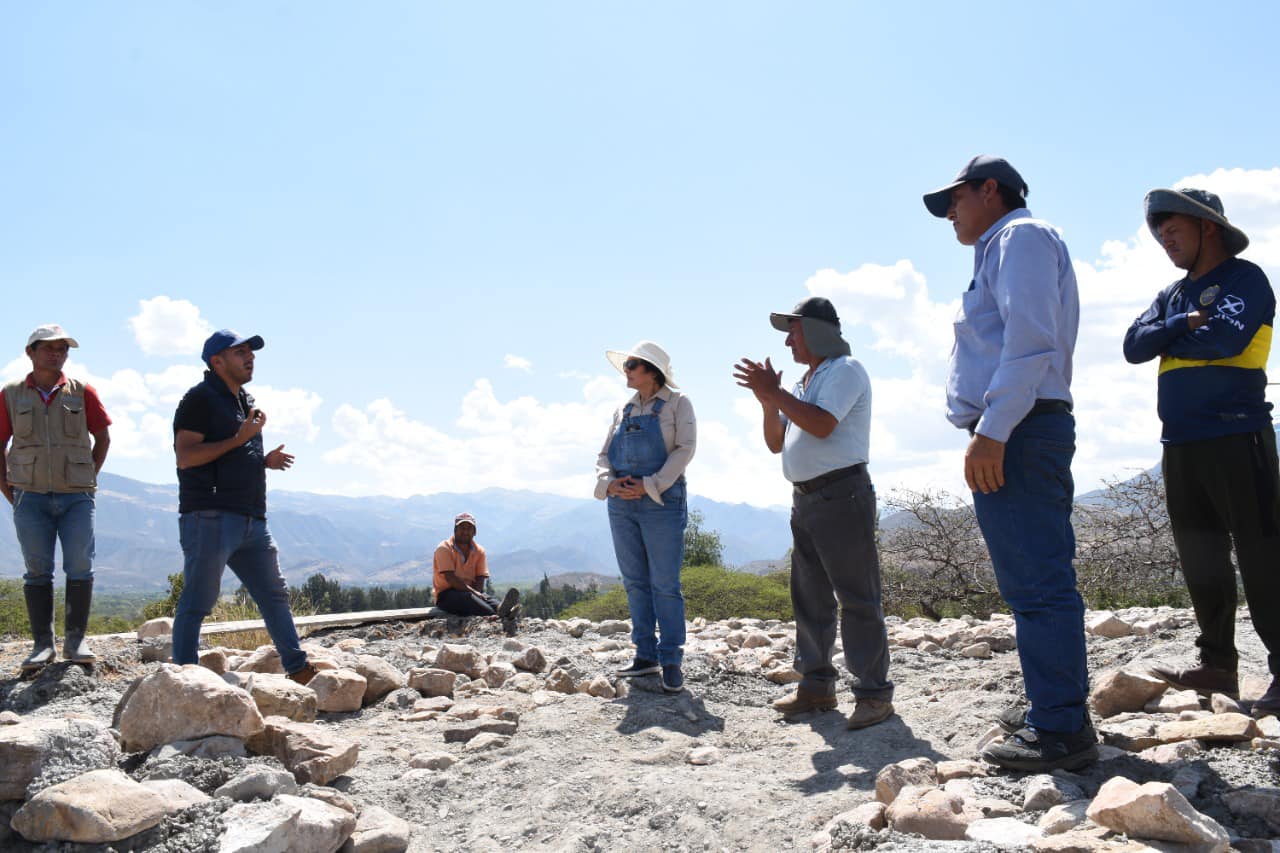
column 645, row 351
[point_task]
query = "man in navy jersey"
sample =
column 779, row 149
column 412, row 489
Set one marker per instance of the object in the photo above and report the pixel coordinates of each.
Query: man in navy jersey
column 1211, row 330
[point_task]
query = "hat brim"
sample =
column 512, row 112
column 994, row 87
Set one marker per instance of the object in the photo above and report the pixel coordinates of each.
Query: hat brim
column 1160, row 201
column 71, row 342
column 782, row 322
column 255, row 342
column 938, row 202
column 619, row 357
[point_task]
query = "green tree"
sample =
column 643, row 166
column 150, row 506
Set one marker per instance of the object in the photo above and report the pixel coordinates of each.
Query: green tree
column 168, row 605
column 702, row 547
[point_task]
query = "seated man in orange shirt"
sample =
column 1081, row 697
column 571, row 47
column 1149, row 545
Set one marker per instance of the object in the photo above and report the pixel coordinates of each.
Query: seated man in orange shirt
column 460, row 571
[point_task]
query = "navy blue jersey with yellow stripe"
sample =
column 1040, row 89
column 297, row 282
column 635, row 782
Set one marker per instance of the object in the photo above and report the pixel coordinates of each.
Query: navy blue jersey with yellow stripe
column 1213, row 379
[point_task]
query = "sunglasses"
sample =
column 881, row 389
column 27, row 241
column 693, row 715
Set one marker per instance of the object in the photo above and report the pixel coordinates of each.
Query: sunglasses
column 632, row 363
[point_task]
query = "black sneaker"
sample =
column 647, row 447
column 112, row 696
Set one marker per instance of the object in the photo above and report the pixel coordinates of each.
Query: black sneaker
column 672, row 678
column 1034, row 751
column 639, row 667
column 1012, row 718
column 510, row 602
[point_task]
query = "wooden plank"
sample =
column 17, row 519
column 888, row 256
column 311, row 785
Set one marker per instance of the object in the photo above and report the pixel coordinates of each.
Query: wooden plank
column 323, row 620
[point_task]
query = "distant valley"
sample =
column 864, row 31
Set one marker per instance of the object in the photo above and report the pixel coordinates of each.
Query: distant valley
column 389, row 541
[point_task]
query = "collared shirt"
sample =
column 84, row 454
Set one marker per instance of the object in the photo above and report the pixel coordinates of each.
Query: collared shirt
column 840, row 386
column 237, row 480
column 449, row 560
column 1016, row 329
column 679, row 433
column 96, row 418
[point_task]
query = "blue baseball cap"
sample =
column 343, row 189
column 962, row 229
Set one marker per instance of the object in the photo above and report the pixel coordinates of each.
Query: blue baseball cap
column 978, row 169
column 225, row 339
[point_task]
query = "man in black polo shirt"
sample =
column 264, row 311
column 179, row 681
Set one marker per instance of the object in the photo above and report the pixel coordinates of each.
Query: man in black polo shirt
column 222, row 502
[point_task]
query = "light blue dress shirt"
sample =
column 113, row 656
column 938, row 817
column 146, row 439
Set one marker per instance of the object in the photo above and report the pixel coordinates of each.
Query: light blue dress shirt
column 841, row 387
column 1016, row 329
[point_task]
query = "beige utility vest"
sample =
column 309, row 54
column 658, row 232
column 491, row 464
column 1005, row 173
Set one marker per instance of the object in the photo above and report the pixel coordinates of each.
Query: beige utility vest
column 51, row 450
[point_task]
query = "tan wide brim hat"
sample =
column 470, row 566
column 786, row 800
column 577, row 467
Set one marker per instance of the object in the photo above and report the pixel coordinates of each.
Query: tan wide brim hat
column 645, row 351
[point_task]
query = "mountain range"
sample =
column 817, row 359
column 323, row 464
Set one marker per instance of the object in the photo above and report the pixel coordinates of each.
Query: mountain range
column 389, row 541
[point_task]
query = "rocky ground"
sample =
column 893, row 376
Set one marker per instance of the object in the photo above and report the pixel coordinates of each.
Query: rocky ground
column 458, row 738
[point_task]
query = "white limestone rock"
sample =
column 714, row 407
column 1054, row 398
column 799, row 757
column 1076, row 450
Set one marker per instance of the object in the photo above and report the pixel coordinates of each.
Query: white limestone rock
column 174, row 703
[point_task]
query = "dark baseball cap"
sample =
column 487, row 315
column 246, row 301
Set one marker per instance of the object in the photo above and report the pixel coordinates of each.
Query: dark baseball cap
column 815, row 308
column 978, row 169
column 225, row 339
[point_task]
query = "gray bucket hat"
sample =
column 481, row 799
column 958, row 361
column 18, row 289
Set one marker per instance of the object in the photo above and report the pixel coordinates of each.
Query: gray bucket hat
column 1200, row 204
column 820, row 323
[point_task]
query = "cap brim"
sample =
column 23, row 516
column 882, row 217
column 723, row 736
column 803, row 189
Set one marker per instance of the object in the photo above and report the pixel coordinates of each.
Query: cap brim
column 938, row 202
column 255, row 342
column 782, row 322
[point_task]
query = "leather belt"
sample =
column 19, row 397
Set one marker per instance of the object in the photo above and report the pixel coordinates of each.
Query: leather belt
column 805, row 487
column 1040, row 407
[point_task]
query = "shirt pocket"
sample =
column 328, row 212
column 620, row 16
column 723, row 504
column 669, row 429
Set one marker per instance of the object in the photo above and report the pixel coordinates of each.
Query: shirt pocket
column 979, row 317
column 24, row 420
column 80, row 473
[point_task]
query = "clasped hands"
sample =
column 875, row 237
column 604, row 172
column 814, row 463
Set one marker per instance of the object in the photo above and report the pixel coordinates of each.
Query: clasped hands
column 627, row 488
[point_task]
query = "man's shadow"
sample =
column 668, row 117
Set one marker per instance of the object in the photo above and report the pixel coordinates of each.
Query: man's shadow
column 870, row 749
column 648, row 706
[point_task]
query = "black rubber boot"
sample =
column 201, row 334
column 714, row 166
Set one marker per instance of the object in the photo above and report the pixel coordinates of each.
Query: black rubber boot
column 40, row 615
column 79, row 599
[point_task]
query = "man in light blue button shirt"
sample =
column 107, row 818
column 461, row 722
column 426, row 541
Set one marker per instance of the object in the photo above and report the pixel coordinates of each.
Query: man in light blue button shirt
column 1010, row 387
column 822, row 428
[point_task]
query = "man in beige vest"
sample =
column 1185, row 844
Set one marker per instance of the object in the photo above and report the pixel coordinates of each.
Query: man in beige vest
column 60, row 440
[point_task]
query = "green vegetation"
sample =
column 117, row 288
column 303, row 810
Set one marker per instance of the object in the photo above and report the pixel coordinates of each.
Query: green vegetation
column 702, row 547
column 712, row 592
column 111, row 613
column 547, row 601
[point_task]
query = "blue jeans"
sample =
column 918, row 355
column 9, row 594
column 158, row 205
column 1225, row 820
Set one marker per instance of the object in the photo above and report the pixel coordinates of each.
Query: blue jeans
column 648, row 540
column 1027, row 525
column 211, row 540
column 42, row 518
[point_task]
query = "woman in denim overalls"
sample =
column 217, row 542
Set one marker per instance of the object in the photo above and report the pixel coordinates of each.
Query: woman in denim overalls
column 641, row 472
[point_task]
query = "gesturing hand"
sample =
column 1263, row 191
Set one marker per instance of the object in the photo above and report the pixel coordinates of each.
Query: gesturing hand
column 761, row 379
column 278, row 460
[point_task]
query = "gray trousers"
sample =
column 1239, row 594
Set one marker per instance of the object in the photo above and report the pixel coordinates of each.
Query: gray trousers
column 834, row 563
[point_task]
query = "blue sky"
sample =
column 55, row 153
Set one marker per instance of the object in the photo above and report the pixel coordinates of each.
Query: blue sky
column 439, row 216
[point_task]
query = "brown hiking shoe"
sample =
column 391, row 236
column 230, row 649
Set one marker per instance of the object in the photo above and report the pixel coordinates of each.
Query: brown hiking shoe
column 304, row 675
column 802, row 701
column 1205, row 680
column 1269, row 702
column 868, row 712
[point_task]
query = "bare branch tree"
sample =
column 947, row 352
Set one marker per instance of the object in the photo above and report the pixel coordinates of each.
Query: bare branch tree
column 933, row 556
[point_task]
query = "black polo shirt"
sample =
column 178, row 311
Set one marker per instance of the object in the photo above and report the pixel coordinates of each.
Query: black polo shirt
column 237, row 480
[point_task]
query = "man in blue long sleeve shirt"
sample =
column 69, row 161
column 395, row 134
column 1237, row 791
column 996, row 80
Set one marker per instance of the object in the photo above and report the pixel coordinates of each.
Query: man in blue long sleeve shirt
column 1211, row 331
column 1010, row 387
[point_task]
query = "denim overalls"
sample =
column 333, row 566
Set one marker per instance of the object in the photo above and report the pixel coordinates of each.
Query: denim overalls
column 648, row 539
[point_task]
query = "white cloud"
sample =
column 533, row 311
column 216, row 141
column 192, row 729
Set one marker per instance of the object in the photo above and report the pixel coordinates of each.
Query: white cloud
column 165, row 326
column 516, row 362
column 290, row 413
column 521, row 443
